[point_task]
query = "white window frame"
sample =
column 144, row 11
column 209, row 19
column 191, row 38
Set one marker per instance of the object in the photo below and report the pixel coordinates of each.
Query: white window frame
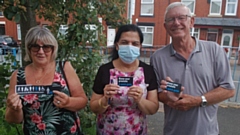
column 92, row 27
column 4, row 23
column 1, row 14
column 188, row 2
column 62, row 30
column 195, row 31
column 144, row 31
column 19, row 32
column 210, row 10
column 151, row 3
column 231, row 3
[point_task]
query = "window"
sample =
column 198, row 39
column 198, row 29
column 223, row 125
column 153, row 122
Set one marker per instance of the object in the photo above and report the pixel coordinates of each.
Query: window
column 1, row 14
column 231, row 7
column 215, row 7
column 147, row 35
column 62, row 30
column 2, row 28
column 190, row 4
column 18, row 32
column 94, row 36
column 93, row 29
column 212, row 35
column 147, row 7
column 195, row 32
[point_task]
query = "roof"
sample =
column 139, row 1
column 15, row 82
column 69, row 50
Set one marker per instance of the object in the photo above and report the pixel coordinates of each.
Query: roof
column 230, row 22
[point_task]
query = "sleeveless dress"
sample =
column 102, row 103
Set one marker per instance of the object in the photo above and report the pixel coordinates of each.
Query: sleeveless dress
column 123, row 116
column 41, row 116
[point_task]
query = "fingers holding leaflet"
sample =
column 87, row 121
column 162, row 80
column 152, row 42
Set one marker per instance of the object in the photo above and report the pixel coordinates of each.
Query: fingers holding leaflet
column 110, row 89
column 14, row 102
column 60, row 99
column 135, row 92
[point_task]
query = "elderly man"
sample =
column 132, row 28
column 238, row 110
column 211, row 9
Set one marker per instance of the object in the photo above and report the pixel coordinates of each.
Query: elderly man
column 203, row 70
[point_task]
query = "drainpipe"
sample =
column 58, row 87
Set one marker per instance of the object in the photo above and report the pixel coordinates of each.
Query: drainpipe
column 169, row 1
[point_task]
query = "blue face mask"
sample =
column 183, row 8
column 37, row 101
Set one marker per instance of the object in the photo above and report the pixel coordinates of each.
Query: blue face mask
column 128, row 53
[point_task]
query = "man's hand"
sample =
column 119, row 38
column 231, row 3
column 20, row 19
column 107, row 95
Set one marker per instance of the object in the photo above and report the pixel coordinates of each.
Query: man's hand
column 187, row 102
column 172, row 96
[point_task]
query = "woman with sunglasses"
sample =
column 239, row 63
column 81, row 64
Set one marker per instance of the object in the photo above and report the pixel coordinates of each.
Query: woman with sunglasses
column 49, row 93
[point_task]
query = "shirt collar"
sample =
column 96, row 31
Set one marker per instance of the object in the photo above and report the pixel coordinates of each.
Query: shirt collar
column 196, row 49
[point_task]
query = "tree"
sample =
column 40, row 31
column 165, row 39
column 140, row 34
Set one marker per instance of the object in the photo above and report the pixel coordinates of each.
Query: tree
column 79, row 44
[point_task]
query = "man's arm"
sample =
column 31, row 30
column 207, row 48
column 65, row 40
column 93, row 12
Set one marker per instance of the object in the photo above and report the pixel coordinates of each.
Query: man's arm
column 214, row 96
column 218, row 94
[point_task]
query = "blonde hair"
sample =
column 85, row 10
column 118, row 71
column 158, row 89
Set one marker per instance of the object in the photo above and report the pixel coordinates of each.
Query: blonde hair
column 42, row 34
column 176, row 4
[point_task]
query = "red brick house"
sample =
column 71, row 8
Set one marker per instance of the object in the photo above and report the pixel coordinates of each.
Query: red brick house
column 13, row 29
column 215, row 20
column 7, row 27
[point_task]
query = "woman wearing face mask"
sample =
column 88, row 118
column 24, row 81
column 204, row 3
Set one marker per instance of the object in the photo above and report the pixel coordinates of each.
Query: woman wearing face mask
column 125, row 89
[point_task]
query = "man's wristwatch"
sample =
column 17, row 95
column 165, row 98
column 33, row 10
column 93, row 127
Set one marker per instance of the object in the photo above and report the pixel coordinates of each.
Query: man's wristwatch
column 204, row 101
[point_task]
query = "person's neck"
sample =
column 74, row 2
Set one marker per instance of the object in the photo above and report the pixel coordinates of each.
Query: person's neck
column 120, row 65
column 184, row 46
column 38, row 67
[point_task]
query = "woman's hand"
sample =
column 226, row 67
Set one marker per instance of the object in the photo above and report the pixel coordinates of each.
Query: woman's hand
column 109, row 90
column 14, row 102
column 60, row 99
column 136, row 93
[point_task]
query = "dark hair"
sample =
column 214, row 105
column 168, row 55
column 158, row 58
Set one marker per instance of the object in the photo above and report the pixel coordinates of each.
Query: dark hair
column 122, row 29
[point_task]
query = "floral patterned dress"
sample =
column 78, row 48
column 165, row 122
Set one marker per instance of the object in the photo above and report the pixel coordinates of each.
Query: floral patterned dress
column 41, row 116
column 123, row 117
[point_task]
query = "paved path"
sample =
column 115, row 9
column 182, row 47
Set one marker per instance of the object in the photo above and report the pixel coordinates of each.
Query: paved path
column 228, row 120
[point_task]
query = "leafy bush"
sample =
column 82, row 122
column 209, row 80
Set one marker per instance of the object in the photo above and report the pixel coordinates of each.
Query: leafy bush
column 6, row 69
column 81, row 45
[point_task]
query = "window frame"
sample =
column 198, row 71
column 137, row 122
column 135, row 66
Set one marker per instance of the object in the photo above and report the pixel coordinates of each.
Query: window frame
column 19, row 32
column 93, row 28
column 2, row 28
column 144, row 32
column 210, row 10
column 197, row 32
column 212, row 31
column 147, row 3
column 226, row 8
column 1, row 14
column 188, row 1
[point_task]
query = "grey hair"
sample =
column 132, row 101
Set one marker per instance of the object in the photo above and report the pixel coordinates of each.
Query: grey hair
column 176, row 4
column 42, row 34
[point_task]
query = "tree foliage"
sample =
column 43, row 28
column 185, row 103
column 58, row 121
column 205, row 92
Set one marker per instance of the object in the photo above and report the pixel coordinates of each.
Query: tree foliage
column 81, row 44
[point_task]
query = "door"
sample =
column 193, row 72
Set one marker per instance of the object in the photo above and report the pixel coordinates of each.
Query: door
column 226, row 42
column 110, row 36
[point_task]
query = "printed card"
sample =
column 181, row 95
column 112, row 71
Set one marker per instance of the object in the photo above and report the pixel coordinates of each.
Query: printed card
column 125, row 81
column 174, row 87
column 35, row 89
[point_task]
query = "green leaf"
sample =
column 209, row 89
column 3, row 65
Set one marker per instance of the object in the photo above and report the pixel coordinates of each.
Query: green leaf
column 17, row 18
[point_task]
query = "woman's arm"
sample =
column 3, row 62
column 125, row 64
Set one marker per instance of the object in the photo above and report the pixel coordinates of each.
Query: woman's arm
column 14, row 113
column 78, row 99
column 149, row 105
column 98, row 103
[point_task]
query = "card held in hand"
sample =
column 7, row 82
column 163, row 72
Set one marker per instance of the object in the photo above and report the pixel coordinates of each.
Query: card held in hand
column 173, row 87
column 125, row 81
column 34, row 89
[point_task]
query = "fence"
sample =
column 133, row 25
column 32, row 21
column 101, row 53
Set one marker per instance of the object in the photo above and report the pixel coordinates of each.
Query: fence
column 146, row 52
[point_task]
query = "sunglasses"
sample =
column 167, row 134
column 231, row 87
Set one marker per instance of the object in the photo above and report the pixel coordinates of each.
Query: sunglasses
column 36, row 48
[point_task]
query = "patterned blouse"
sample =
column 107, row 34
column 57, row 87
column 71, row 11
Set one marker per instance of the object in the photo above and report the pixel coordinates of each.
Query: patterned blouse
column 123, row 116
column 41, row 116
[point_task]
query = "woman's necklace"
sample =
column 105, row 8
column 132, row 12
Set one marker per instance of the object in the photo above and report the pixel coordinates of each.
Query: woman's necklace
column 38, row 81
